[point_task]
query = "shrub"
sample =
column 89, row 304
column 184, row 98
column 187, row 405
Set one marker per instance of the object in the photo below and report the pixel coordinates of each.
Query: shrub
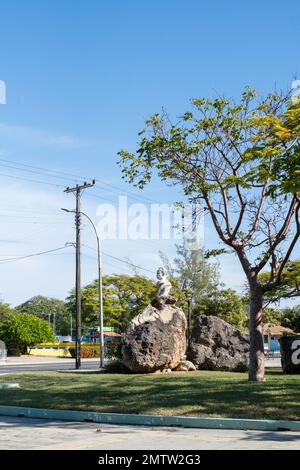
column 14, row 352
column 86, row 351
column 116, row 367
column 114, row 351
column 22, row 331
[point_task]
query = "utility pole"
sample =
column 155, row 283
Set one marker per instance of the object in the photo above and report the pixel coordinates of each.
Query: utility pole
column 77, row 191
column 100, row 294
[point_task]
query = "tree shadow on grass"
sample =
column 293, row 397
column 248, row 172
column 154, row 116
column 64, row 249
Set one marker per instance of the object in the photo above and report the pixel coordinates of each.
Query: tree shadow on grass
column 185, row 394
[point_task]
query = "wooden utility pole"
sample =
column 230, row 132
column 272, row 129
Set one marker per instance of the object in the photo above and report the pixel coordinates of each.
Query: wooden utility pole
column 77, row 190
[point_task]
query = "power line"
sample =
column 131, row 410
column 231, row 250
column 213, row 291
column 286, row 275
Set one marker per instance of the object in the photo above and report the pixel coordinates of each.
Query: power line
column 32, row 222
column 19, row 258
column 17, row 216
column 130, row 193
column 121, row 260
column 45, row 169
column 35, row 172
column 108, row 262
column 31, row 180
column 15, row 209
column 56, row 173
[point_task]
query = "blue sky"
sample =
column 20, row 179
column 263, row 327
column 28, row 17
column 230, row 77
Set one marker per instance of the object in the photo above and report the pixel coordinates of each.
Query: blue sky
column 82, row 77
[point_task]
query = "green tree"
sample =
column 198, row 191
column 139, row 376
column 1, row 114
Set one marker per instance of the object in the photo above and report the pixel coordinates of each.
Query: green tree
column 46, row 308
column 291, row 318
column 225, row 304
column 225, row 154
column 289, row 285
column 23, row 331
column 5, row 311
column 194, row 271
column 191, row 272
column 123, row 297
column 272, row 316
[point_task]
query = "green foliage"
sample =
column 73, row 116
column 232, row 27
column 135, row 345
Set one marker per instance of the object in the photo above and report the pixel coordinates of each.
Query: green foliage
column 241, row 159
column 23, row 331
column 5, row 311
column 225, row 304
column 291, row 318
column 272, row 316
column 289, row 284
column 41, row 307
column 123, row 297
column 114, row 351
column 190, row 271
column 264, row 133
column 276, row 142
column 215, row 252
column 86, row 351
column 196, row 275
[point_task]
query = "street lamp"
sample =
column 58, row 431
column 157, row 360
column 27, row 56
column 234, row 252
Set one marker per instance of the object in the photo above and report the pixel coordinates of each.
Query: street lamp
column 99, row 284
column 189, row 297
column 71, row 325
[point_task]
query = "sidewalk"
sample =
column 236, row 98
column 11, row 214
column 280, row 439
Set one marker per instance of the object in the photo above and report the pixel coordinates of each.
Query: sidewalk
column 25, row 433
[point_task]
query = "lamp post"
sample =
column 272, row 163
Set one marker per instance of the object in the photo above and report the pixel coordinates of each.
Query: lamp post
column 100, row 294
column 54, row 323
column 189, row 297
column 71, row 325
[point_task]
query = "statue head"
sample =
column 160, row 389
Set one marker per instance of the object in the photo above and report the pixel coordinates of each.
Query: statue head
column 161, row 273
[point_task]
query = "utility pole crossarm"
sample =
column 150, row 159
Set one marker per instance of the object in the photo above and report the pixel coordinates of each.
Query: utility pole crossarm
column 80, row 187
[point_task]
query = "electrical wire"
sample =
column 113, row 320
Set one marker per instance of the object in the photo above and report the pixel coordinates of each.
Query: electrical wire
column 77, row 177
column 19, row 258
column 121, row 260
column 56, row 173
column 31, row 180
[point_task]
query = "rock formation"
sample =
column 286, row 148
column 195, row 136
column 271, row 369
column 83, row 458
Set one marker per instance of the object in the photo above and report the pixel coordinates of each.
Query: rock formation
column 156, row 338
column 216, row 345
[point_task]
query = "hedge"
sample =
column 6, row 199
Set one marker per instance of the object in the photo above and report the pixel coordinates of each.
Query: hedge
column 86, row 351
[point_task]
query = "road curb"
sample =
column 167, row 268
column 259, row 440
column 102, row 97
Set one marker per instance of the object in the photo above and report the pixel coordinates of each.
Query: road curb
column 151, row 420
column 5, row 386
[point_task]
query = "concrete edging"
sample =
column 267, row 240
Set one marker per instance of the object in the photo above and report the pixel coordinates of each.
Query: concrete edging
column 151, row 420
column 5, row 386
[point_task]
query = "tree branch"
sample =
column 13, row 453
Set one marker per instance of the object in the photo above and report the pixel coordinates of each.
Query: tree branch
column 280, row 235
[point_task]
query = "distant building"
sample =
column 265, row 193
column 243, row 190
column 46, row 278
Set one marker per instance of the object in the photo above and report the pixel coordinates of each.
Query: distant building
column 109, row 332
column 63, row 339
column 272, row 335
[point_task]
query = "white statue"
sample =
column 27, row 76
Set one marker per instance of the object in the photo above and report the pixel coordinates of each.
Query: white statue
column 163, row 284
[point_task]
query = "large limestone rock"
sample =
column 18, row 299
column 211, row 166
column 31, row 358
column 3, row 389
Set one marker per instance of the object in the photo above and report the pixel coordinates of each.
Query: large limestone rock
column 216, row 345
column 155, row 339
column 185, row 366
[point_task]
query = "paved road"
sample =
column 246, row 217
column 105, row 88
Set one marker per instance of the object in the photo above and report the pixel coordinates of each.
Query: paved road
column 33, row 364
column 25, row 433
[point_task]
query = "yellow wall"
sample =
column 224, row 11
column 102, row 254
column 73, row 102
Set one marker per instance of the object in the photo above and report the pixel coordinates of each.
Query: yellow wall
column 50, row 352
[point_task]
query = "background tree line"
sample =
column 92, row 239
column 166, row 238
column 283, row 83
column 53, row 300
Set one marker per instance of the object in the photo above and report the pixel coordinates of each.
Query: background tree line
column 192, row 272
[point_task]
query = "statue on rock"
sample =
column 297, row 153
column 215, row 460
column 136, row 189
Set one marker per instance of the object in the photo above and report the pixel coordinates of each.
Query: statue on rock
column 163, row 284
column 163, row 289
column 155, row 339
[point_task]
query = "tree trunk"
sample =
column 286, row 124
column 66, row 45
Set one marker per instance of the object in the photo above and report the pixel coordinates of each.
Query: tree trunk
column 257, row 357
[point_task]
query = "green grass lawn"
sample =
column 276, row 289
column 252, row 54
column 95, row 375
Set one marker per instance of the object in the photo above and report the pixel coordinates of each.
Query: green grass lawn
column 201, row 393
